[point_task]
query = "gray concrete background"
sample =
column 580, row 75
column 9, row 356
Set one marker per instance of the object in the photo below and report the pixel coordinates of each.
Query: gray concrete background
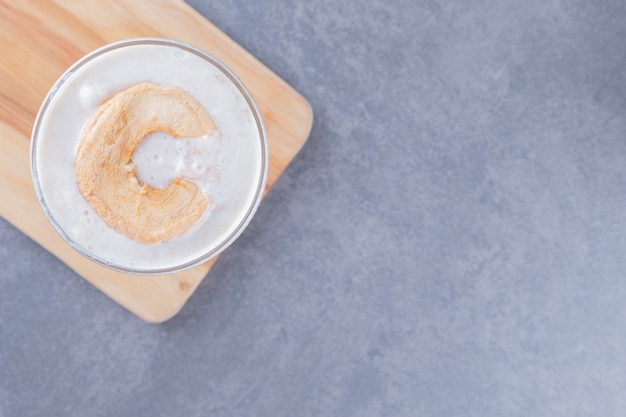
column 450, row 242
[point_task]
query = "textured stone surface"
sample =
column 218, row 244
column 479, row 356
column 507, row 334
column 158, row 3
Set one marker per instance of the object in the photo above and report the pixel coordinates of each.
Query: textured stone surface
column 450, row 242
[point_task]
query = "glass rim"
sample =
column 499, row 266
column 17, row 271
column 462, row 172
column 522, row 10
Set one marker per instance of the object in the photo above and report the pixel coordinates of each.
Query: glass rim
column 262, row 176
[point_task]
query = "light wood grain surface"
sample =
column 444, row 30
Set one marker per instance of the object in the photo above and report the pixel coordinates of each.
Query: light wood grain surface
column 40, row 39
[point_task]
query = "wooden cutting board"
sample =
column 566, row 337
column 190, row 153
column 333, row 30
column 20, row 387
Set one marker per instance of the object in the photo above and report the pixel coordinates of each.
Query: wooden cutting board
column 40, row 39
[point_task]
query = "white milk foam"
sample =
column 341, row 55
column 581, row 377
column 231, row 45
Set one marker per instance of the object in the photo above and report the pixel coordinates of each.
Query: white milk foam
column 225, row 164
column 160, row 158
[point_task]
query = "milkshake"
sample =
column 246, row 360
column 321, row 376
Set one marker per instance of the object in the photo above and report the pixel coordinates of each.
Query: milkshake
column 149, row 156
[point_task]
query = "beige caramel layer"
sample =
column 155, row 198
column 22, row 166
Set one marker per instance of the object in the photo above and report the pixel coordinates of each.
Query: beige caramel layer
column 104, row 171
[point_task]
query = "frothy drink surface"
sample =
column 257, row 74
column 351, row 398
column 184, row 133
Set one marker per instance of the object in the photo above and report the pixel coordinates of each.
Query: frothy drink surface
column 225, row 164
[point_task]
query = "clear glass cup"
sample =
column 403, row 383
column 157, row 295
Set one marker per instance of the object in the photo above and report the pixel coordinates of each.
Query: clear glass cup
column 219, row 246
